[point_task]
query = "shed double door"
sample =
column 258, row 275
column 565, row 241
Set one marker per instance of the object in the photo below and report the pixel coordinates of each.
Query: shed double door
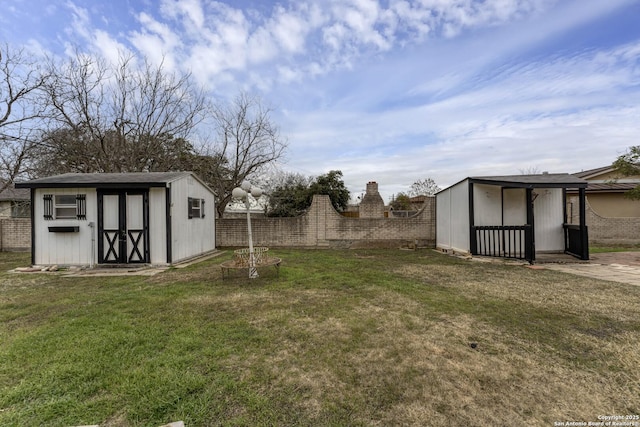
column 123, row 227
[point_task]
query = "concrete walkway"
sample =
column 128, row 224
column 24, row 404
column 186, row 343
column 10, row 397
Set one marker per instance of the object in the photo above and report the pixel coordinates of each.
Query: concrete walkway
column 622, row 267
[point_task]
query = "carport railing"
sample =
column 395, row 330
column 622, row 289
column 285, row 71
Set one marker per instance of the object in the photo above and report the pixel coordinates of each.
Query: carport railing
column 504, row 241
column 576, row 241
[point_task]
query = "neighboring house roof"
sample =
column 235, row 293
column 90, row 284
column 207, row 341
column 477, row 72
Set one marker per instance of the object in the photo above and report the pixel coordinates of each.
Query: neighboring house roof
column 600, row 180
column 11, row 194
column 612, row 187
column 108, row 180
column 591, row 173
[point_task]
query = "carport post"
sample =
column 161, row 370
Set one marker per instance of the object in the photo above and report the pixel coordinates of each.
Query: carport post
column 473, row 241
column 530, row 236
column 584, row 234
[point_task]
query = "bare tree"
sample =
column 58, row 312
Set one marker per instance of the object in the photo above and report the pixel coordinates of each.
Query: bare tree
column 20, row 112
column 530, row 170
column 118, row 117
column 424, row 187
column 247, row 141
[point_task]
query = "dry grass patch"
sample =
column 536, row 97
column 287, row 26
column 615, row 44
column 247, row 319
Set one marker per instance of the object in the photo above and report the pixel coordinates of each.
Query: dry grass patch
column 541, row 288
column 428, row 374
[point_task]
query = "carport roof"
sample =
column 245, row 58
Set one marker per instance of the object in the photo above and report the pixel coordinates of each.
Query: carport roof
column 545, row 180
column 106, row 180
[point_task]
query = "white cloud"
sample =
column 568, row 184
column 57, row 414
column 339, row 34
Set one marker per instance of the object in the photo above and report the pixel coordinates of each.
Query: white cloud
column 261, row 46
column 397, row 90
column 157, row 41
column 568, row 143
column 564, row 115
column 310, row 36
column 191, row 10
column 289, row 30
column 361, row 18
column 81, row 22
column 108, row 47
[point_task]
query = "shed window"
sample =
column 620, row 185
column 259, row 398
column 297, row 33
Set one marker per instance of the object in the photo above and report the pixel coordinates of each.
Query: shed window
column 196, row 208
column 65, row 206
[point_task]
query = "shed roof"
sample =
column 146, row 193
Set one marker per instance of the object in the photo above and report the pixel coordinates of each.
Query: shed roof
column 106, row 180
column 545, row 180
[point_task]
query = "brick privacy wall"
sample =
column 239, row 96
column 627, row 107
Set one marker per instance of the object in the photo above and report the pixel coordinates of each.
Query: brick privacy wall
column 322, row 226
column 608, row 230
column 15, row 234
column 612, row 230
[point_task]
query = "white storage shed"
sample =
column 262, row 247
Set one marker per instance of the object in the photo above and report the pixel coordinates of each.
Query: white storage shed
column 511, row 216
column 120, row 218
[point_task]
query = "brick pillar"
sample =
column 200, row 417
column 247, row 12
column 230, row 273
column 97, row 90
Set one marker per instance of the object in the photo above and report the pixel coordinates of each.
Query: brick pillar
column 320, row 207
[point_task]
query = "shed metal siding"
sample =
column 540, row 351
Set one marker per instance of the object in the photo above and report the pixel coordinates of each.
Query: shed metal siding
column 549, row 217
column 157, row 226
column 452, row 224
column 487, row 208
column 514, row 206
column 73, row 248
column 443, row 219
column 191, row 237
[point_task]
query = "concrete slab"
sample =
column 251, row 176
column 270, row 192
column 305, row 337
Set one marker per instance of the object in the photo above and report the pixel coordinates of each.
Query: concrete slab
column 103, row 272
column 145, row 270
column 621, row 267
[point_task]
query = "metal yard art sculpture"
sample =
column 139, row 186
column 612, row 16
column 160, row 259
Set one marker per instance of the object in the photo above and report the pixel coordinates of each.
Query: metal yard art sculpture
column 242, row 193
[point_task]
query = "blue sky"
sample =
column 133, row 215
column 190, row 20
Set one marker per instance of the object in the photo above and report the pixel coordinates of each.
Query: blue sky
column 391, row 91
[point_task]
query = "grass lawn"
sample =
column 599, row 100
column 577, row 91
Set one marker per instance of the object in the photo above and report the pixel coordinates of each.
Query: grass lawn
column 353, row 337
column 616, row 248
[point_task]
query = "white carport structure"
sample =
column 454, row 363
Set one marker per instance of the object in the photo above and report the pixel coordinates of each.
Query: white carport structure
column 513, row 216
